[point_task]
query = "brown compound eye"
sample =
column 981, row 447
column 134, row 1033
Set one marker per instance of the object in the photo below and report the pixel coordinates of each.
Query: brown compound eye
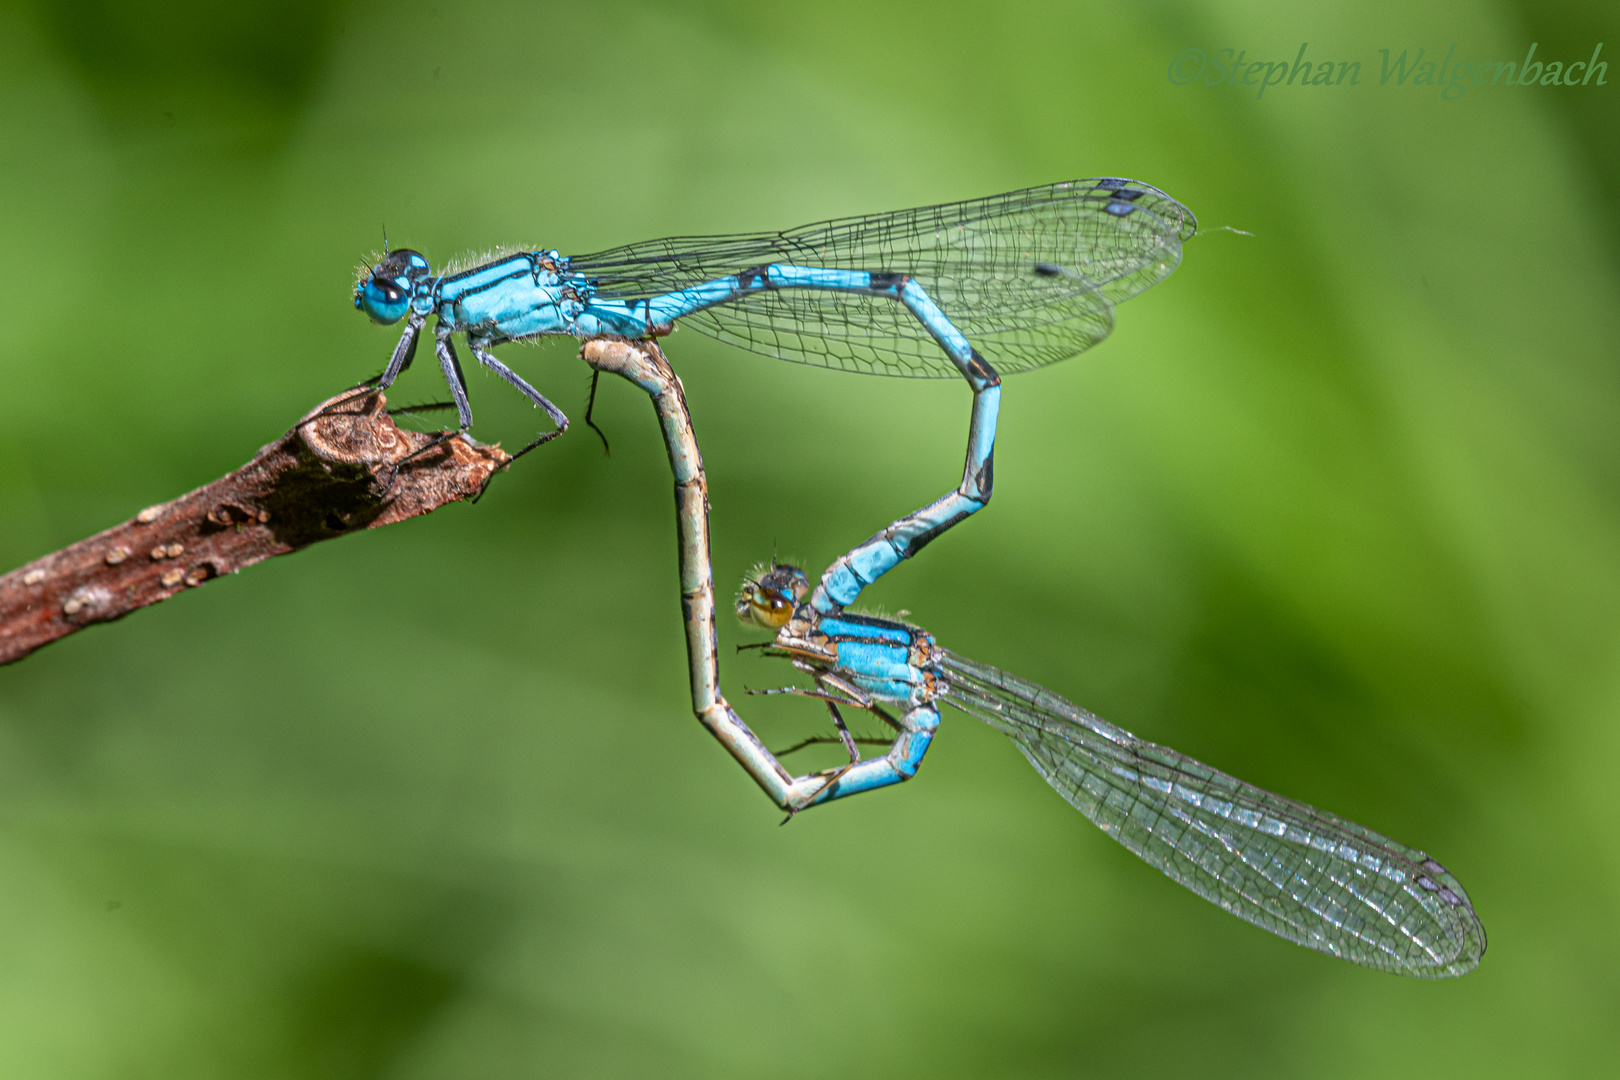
column 772, row 609
column 764, row 607
column 770, row 595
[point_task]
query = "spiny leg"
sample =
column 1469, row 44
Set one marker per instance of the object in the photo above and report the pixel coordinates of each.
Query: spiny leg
column 404, row 351
column 412, row 410
column 843, row 738
column 590, row 403
column 827, row 740
column 843, row 733
column 450, row 365
column 830, row 777
column 831, row 688
column 796, row 691
column 835, row 691
column 522, row 387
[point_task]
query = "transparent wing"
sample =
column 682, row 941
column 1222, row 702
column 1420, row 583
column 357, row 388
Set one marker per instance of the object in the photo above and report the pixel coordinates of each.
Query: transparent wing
column 1300, row 872
column 1030, row 277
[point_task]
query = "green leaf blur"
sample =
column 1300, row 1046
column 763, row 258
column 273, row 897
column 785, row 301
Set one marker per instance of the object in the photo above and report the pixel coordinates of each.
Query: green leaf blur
column 1337, row 509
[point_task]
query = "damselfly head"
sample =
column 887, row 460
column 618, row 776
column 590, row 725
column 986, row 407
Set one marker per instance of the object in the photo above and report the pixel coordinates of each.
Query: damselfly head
column 385, row 291
column 770, row 593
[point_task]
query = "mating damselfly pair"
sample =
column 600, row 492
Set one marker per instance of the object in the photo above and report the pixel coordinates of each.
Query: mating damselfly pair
column 1031, row 276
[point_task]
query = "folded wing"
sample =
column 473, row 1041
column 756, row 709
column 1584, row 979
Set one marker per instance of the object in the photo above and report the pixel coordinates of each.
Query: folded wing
column 1030, row 277
column 1300, row 872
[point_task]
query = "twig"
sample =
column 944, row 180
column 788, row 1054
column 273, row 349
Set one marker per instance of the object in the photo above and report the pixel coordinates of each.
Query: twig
column 329, row 476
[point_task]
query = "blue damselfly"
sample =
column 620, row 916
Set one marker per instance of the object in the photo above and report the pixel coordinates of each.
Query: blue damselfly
column 1030, row 276
column 1302, row 873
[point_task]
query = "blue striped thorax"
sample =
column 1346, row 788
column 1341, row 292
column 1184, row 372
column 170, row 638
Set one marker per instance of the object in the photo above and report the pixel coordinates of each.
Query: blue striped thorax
column 889, row 660
column 522, row 295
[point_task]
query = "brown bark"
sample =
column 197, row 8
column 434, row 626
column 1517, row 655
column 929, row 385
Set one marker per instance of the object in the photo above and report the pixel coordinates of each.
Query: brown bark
column 329, row 476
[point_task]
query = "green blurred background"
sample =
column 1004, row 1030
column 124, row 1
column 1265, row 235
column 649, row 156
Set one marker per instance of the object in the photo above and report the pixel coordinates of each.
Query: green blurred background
column 1336, row 509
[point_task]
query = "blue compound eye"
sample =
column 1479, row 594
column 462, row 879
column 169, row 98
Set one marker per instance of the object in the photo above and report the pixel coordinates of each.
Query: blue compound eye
column 382, row 301
column 385, row 294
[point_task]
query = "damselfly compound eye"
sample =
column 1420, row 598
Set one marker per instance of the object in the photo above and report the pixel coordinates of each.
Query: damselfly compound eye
column 768, row 597
column 385, row 294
